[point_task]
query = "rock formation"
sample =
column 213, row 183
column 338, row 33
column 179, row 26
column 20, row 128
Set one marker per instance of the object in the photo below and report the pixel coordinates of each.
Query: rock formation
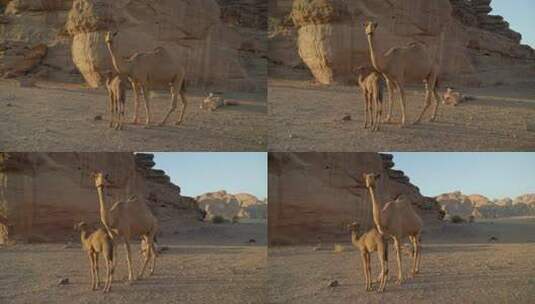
column 314, row 195
column 229, row 206
column 43, row 194
column 216, row 52
column 478, row 206
column 331, row 42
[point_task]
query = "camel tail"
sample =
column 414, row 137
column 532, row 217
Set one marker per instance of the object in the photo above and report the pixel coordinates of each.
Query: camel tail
column 386, row 250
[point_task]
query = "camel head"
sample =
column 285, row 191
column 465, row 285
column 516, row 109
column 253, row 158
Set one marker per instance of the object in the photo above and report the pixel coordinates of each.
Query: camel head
column 80, row 226
column 101, row 179
column 108, row 38
column 370, row 179
column 353, row 227
column 370, row 27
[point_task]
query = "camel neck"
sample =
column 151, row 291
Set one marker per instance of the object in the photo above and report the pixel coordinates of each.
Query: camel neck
column 103, row 211
column 373, row 58
column 118, row 64
column 376, row 211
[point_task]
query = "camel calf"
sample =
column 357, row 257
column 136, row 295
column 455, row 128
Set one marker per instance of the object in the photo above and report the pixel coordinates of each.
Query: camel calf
column 371, row 85
column 367, row 243
column 117, row 97
column 94, row 244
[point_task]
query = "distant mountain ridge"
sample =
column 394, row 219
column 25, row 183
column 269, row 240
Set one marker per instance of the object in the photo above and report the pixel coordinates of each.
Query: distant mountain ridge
column 479, row 206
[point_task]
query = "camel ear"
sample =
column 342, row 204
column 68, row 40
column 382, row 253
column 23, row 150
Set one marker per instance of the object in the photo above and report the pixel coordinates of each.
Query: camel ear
column 378, row 175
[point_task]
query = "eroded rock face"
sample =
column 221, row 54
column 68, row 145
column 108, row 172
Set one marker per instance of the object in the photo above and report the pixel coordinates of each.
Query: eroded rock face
column 479, row 206
column 216, row 51
column 17, row 59
column 313, row 195
column 43, row 194
column 331, row 40
column 229, row 206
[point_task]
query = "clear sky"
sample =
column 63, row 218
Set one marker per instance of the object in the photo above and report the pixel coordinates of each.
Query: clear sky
column 200, row 172
column 521, row 16
column 495, row 175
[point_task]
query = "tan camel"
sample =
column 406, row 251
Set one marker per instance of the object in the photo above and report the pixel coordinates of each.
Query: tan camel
column 148, row 71
column 367, row 243
column 128, row 219
column 399, row 64
column 96, row 243
column 116, row 86
column 398, row 220
column 371, row 85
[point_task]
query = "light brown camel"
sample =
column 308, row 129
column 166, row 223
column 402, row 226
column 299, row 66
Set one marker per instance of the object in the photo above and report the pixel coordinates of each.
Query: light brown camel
column 398, row 220
column 371, row 85
column 148, row 71
column 127, row 219
column 367, row 243
column 400, row 64
column 116, row 86
column 96, row 243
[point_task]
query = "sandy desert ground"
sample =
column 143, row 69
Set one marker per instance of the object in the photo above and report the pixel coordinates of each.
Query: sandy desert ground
column 61, row 117
column 308, row 117
column 459, row 265
column 204, row 264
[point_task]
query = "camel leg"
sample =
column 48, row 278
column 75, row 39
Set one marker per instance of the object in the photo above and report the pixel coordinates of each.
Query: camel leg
column 153, row 266
column 397, row 245
column 402, row 104
column 137, row 92
column 129, row 260
column 108, row 273
column 369, row 271
column 437, row 103
column 390, row 88
column 366, row 107
column 364, row 269
column 184, row 104
column 427, row 103
column 146, row 99
column 174, row 101
column 414, row 255
column 92, row 270
column 97, row 274
column 110, row 106
column 418, row 253
column 382, row 256
column 147, row 258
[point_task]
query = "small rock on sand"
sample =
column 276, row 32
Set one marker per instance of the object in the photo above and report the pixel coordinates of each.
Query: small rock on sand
column 63, row 281
column 333, row 283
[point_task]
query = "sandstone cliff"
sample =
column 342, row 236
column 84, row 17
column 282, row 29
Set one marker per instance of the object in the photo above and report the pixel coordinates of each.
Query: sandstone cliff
column 476, row 205
column 199, row 34
column 312, row 195
column 478, row 48
column 43, row 194
column 230, row 206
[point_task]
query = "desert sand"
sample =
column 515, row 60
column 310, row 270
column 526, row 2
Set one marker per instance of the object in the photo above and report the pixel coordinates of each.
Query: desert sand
column 203, row 264
column 309, row 117
column 459, row 265
column 67, row 117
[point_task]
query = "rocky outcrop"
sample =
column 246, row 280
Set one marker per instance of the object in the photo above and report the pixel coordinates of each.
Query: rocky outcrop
column 37, row 23
column 43, row 194
column 200, row 35
column 478, row 206
column 331, row 41
column 314, row 195
column 17, row 59
column 229, row 206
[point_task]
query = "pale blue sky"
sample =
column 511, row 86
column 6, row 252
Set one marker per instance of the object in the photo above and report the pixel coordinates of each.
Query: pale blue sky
column 521, row 16
column 495, row 175
column 200, row 172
